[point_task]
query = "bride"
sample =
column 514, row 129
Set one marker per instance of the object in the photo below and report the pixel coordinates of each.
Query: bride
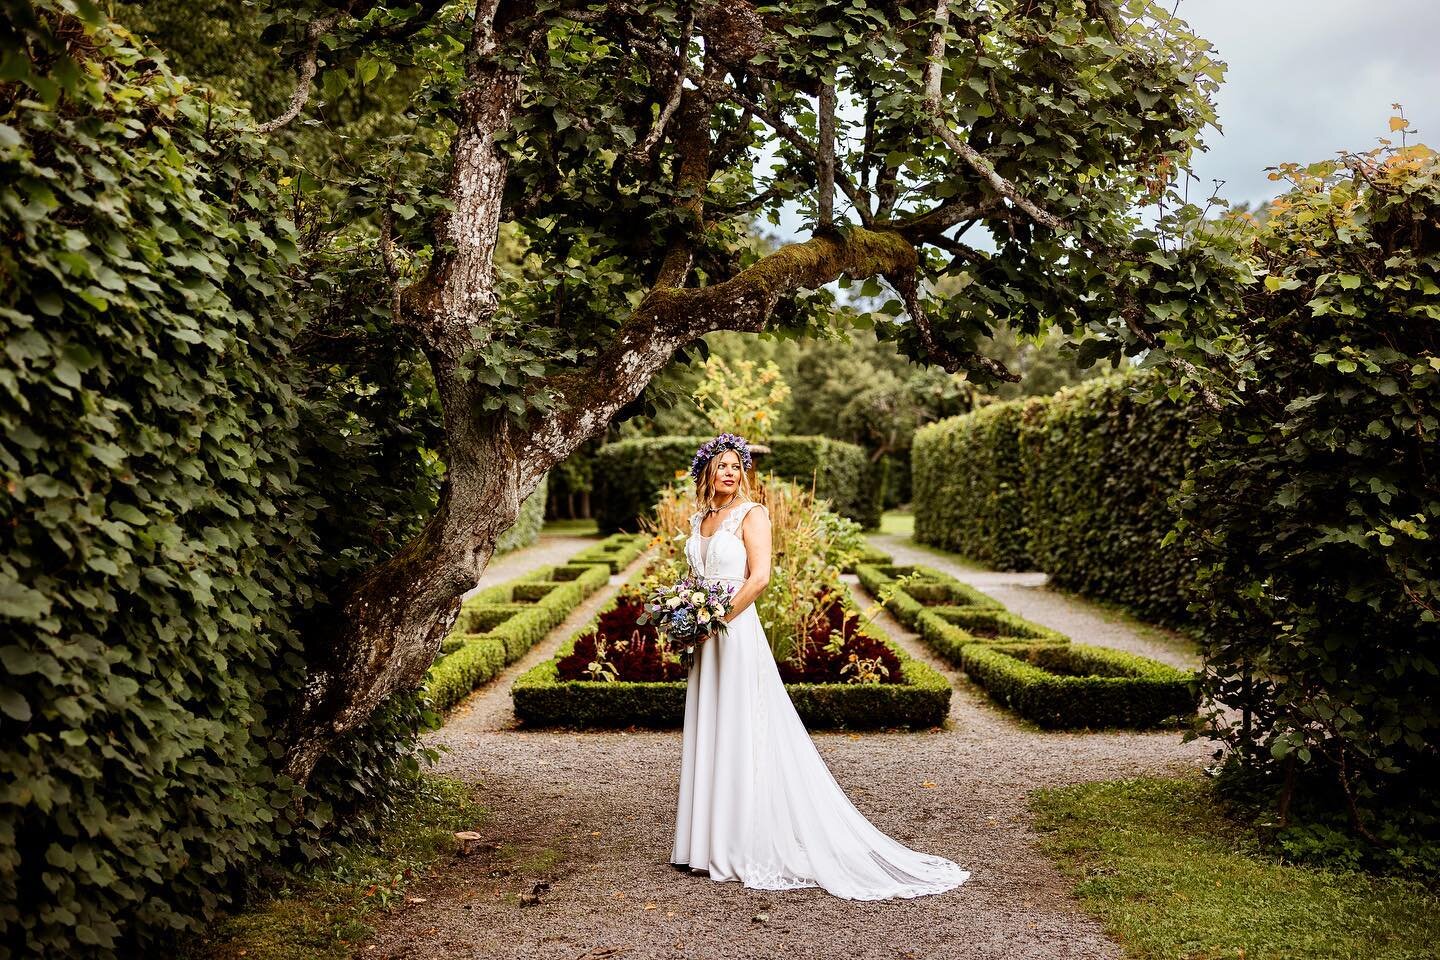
column 757, row 802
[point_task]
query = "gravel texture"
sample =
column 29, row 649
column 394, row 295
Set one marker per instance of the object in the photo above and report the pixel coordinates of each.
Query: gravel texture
column 582, row 823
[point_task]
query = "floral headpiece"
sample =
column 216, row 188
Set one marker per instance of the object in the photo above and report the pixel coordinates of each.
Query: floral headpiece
column 708, row 449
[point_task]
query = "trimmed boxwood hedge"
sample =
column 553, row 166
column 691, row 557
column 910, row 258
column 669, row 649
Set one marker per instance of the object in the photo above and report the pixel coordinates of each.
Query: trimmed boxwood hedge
column 629, row 475
column 498, row 625
column 948, row 630
column 1099, row 464
column 967, row 486
column 542, row 699
column 930, row 588
column 1074, row 685
column 616, row 551
column 868, row 554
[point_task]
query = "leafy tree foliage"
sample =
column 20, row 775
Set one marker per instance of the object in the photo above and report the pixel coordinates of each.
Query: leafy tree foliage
column 1313, row 521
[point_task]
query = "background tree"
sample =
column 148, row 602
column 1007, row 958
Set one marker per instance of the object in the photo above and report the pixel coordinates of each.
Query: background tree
column 620, row 140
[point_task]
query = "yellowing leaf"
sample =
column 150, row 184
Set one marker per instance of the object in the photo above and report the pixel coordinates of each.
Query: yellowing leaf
column 1398, row 123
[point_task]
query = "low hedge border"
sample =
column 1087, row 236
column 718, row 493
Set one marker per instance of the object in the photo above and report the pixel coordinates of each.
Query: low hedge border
column 922, row 593
column 1076, row 686
column 542, row 699
column 499, row 624
column 617, row 551
column 948, row 630
column 868, row 555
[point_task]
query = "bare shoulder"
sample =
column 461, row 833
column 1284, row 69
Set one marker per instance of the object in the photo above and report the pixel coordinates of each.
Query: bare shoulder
column 754, row 512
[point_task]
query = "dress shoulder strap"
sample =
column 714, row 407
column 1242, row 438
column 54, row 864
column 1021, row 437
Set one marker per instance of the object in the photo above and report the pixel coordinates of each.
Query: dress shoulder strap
column 733, row 521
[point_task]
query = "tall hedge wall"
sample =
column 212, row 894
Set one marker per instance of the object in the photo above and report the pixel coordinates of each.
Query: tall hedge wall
column 1077, row 485
column 150, row 557
column 629, row 475
column 966, row 474
column 1099, row 463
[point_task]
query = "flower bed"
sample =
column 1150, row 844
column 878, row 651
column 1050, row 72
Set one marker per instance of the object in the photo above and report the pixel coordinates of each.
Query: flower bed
column 616, row 551
column 1075, row 685
column 650, row 691
column 499, row 624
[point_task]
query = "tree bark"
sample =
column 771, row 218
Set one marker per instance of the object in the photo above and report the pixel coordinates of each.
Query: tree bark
column 392, row 620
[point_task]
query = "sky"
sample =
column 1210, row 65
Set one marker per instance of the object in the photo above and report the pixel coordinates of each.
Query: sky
column 1304, row 79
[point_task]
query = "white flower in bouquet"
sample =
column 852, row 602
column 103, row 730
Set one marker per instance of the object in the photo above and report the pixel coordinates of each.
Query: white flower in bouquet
column 698, row 597
column 674, row 602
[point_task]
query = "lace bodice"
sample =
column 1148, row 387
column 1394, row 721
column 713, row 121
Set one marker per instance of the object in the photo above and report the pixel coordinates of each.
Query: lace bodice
column 720, row 556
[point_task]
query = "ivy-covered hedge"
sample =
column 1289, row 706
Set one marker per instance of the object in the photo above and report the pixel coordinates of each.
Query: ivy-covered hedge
column 152, row 551
column 1077, row 485
column 967, row 486
column 1099, row 463
column 499, row 625
column 541, row 699
column 1073, row 685
column 629, row 475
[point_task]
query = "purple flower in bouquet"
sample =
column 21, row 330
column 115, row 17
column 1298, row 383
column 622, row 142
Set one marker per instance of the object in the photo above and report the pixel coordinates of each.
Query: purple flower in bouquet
column 689, row 611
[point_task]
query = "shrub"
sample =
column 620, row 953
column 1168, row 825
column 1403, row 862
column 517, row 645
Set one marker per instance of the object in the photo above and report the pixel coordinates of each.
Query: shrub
column 1313, row 523
column 947, row 630
column 543, row 698
column 152, row 550
column 1074, row 685
column 616, row 552
column 500, row 624
column 967, row 486
column 913, row 587
column 1099, row 463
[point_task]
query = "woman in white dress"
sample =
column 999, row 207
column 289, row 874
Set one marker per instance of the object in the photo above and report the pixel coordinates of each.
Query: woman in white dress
column 757, row 802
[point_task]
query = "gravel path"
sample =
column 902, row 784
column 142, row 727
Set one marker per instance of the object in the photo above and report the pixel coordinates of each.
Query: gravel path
column 584, row 821
column 1027, row 595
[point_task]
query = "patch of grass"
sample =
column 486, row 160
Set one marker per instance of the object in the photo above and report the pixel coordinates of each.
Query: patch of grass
column 320, row 911
column 900, row 523
column 1172, row 876
column 572, row 528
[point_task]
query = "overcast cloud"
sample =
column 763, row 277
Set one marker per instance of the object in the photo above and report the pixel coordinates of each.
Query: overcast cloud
column 1306, row 78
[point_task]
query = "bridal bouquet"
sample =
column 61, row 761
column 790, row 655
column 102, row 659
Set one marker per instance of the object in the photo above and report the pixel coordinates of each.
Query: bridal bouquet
column 689, row 611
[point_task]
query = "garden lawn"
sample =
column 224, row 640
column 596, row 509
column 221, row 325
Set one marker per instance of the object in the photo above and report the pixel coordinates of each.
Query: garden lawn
column 1171, row 876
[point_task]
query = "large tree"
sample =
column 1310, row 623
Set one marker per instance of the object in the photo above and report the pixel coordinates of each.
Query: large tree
column 628, row 146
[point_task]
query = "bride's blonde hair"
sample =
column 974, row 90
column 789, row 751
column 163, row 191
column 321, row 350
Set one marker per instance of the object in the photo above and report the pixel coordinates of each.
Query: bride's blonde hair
column 705, row 483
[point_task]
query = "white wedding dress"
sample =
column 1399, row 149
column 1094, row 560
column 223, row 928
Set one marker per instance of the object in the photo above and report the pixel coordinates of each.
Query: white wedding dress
column 757, row 802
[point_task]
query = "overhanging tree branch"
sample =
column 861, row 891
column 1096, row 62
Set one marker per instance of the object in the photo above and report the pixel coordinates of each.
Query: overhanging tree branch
column 315, row 30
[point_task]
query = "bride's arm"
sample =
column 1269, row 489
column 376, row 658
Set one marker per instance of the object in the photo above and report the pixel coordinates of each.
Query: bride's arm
column 756, row 527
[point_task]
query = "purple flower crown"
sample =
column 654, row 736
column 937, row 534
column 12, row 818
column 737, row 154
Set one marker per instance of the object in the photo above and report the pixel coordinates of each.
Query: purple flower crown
column 725, row 441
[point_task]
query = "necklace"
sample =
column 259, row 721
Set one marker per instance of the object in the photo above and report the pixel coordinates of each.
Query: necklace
column 710, row 510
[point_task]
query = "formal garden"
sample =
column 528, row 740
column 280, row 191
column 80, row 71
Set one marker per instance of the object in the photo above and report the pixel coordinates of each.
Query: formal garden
column 354, row 357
